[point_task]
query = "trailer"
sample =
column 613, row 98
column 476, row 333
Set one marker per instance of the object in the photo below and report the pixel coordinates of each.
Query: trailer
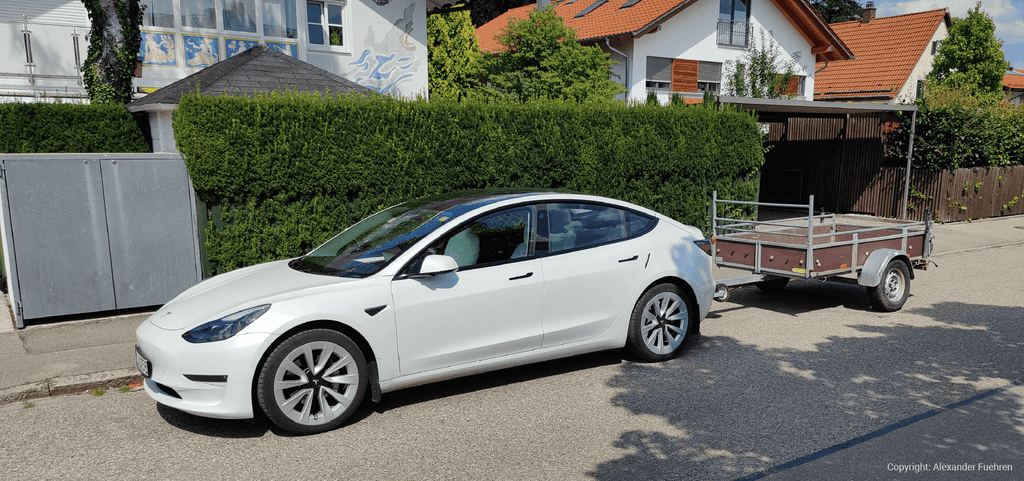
column 880, row 258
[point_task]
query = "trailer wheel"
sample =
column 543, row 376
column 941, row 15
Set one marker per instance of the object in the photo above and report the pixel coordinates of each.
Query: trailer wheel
column 773, row 285
column 890, row 294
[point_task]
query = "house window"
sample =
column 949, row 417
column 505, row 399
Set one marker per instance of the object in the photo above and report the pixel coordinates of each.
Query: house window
column 733, row 22
column 158, row 13
column 198, row 14
column 920, row 89
column 279, row 19
column 239, row 15
column 659, row 73
column 935, row 46
column 326, row 23
column 709, row 76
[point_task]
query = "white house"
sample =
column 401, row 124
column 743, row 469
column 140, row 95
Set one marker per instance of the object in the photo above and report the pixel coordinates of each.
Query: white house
column 669, row 46
column 379, row 44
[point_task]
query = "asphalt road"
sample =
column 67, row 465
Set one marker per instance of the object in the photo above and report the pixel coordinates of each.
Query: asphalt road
column 774, row 378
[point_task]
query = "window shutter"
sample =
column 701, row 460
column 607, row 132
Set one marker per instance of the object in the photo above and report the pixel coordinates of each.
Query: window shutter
column 709, row 72
column 659, row 69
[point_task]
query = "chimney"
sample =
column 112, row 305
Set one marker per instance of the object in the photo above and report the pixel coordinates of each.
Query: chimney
column 869, row 13
column 542, row 4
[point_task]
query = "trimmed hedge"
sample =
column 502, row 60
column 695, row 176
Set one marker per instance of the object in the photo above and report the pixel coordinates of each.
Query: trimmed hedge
column 289, row 171
column 68, row 128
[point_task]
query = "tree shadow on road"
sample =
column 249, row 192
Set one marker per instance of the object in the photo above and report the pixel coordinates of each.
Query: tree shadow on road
column 743, row 408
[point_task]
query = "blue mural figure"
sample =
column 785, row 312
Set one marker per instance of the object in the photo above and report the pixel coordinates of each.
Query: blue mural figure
column 285, row 48
column 157, row 49
column 201, row 51
column 235, row 46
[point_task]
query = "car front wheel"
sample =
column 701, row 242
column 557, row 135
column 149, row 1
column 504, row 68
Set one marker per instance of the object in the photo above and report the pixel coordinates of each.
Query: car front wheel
column 660, row 323
column 312, row 382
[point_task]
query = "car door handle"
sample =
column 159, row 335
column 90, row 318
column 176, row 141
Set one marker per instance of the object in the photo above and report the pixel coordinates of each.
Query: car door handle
column 630, row 259
column 524, row 276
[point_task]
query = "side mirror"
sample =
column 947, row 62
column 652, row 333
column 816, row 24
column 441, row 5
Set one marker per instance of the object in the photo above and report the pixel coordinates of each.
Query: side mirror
column 435, row 264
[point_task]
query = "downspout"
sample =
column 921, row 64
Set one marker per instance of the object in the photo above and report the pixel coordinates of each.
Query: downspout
column 626, row 62
column 824, row 66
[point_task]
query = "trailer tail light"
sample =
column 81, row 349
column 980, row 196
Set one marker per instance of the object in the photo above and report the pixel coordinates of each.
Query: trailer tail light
column 704, row 245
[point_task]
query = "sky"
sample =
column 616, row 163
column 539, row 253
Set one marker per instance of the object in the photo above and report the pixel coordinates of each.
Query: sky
column 1008, row 16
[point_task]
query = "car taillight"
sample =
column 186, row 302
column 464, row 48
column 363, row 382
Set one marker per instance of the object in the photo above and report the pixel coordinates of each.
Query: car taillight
column 704, row 245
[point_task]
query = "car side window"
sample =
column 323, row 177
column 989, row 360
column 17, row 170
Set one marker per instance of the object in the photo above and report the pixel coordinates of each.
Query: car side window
column 496, row 238
column 578, row 226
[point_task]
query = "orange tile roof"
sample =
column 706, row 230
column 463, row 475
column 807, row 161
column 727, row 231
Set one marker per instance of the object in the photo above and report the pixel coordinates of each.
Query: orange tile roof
column 1012, row 81
column 886, row 48
column 610, row 20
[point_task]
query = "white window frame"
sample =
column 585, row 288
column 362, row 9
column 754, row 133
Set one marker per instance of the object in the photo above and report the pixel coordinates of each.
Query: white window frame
column 346, row 27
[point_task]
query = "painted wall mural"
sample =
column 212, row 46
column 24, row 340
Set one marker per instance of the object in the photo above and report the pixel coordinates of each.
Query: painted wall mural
column 285, row 48
column 384, row 66
column 201, row 51
column 235, row 46
column 157, row 49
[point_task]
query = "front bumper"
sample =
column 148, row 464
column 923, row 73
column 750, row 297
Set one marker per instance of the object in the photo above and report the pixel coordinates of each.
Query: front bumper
column 172, row 359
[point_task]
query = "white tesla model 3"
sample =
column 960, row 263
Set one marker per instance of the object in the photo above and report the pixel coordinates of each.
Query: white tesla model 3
column 428, row 290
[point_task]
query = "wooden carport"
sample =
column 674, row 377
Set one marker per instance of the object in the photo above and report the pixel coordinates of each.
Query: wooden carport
column 831, row 150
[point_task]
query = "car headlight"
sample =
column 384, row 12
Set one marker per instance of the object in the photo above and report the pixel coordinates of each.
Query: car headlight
column 226, row 326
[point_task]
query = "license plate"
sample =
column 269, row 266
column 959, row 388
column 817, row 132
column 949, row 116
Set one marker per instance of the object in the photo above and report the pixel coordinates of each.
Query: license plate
column 142, row 363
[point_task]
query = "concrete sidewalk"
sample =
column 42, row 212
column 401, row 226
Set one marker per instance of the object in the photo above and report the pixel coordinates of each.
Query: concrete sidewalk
column 75, row 356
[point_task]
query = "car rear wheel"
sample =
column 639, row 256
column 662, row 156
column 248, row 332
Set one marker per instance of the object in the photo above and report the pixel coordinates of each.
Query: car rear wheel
column 660, row 323
column 312, row 382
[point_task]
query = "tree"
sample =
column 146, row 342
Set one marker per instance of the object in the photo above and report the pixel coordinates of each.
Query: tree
column 834, row 11
column 540, row 57
column 759, row 72
column 971, row 56
column 452, row 55
column 114, row 41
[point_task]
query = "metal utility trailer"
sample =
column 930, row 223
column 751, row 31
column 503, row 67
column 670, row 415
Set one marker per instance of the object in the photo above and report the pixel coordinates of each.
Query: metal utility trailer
column 882, row 259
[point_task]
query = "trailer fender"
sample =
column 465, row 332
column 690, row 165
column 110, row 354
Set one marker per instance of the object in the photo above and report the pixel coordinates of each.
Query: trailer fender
column 872, row 270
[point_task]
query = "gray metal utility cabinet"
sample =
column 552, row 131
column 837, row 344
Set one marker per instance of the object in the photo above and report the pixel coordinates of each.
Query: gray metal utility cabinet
column 89, row 233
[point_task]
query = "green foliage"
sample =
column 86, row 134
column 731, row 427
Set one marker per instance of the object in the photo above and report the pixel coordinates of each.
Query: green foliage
column 971, row 57
column 834, row 11
column 759, row 72
column 44, row 128
column 541, row 58
column 114, row 40
column 285, row 172
column 453, row 57
column 957, row 128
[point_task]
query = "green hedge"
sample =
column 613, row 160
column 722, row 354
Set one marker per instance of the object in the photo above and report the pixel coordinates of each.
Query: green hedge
column 68, row 128
column 283, row 173
column 958, row 129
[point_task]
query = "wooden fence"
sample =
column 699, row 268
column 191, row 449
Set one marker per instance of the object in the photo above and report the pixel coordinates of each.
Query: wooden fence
column 958, row 195
column 841, row 161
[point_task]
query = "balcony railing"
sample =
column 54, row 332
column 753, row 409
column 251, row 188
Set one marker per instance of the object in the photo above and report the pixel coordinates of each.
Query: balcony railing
column 732, row 33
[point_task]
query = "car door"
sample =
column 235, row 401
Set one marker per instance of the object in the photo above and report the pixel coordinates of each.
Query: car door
column 490, row 307
column 594, row 265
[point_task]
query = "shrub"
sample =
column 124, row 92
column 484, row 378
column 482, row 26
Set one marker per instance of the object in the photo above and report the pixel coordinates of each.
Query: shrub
column 288, row 171
column 68, row 128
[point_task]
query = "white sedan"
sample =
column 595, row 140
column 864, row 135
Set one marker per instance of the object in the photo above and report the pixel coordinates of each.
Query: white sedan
column 428, row 290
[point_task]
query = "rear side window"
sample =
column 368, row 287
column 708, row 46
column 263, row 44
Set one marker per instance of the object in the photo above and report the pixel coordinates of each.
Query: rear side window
column 578, row 226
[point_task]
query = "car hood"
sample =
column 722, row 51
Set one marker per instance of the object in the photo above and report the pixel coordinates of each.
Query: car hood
column 237, row 290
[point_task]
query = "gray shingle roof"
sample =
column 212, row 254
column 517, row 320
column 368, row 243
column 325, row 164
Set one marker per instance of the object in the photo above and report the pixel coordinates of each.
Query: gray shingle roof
column 258, row 69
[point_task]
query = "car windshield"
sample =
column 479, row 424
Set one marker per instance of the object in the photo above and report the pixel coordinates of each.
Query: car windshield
column 366, row 247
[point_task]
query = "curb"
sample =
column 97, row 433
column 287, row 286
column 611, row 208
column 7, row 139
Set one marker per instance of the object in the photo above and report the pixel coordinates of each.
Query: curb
column 69, row 385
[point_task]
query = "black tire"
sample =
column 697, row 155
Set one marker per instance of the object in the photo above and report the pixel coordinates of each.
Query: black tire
column 894, row 289
column 660, row 323
column 312, row 400
column 773, row 285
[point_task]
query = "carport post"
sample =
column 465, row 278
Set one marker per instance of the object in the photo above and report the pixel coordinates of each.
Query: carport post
column 910, row 156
